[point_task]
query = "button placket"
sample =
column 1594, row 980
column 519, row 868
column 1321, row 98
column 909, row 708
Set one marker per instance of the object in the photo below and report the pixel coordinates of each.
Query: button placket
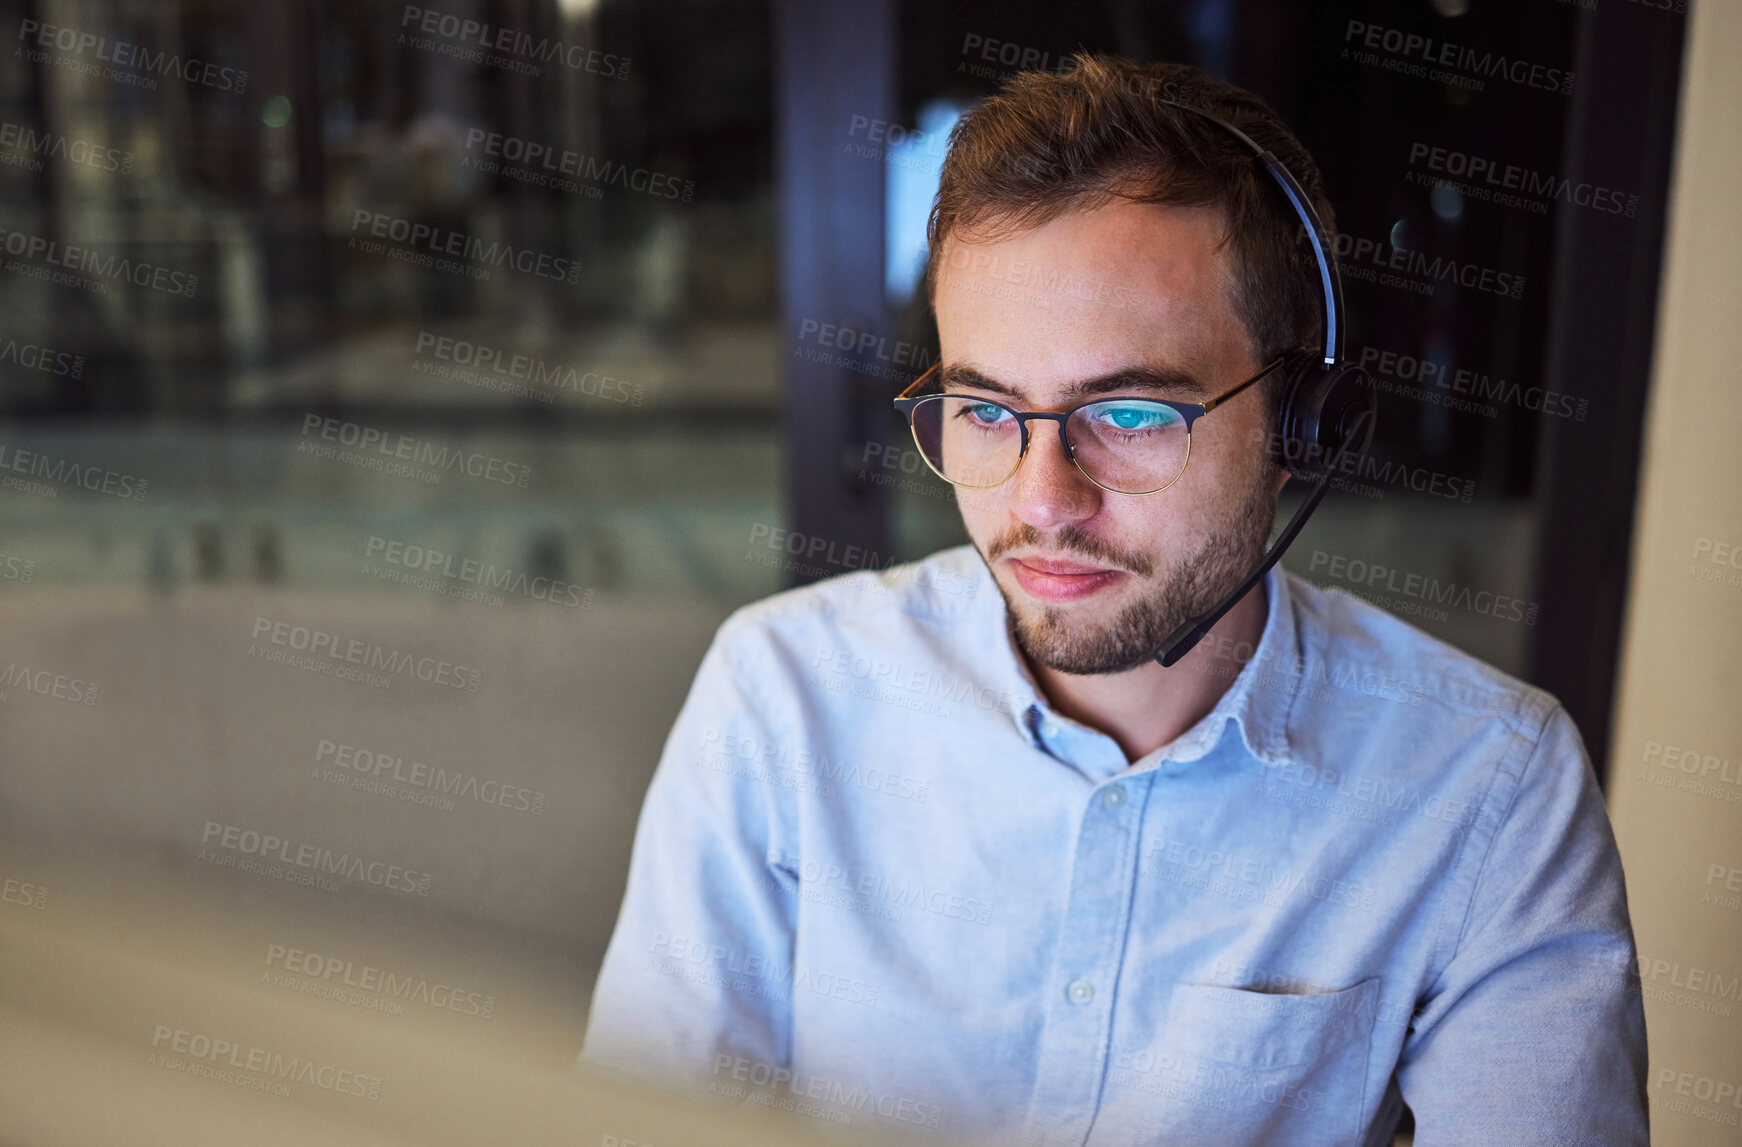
column 1079, row 1009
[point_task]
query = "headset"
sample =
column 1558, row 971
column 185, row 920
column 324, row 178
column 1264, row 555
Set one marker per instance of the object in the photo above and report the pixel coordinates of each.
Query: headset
column 1326, row 411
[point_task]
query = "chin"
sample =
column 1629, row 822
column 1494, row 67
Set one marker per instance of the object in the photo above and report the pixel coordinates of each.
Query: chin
column 1086, row 638
column 1081, row 655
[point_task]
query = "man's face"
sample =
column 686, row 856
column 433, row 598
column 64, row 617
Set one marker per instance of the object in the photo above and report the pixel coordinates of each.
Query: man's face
column 1095, row 581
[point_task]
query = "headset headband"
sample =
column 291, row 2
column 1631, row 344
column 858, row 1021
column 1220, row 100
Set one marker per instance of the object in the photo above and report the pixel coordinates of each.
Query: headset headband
column 1328, row 278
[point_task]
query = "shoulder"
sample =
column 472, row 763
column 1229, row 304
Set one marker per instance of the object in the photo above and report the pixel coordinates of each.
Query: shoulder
column 1416, row 735
column 1354, row 642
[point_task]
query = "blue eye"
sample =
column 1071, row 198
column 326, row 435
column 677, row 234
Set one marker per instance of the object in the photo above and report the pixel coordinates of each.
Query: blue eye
column 1135, row 416
column 986, row 413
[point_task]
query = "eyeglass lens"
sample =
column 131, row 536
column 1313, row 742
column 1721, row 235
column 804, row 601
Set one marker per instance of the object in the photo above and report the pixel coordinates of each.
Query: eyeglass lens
column 1133, row 446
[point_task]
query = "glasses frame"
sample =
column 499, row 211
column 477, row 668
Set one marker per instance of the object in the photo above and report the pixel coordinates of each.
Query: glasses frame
column 907, row 402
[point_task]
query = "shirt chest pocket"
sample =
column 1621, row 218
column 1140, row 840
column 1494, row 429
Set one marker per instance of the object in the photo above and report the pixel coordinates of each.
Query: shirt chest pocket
column 1231, row 1066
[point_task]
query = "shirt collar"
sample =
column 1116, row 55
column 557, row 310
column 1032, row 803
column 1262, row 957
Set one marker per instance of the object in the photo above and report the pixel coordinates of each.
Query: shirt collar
column 1258, row 701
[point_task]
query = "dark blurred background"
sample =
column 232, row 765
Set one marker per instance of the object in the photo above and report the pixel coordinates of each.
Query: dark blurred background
column 672, row 392
column 312, row 310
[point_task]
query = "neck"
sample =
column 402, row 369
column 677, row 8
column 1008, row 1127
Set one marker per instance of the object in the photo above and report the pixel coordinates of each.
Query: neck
column 1147, row 707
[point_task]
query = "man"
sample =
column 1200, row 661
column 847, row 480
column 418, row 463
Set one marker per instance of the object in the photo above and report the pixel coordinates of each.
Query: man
column 944, row 849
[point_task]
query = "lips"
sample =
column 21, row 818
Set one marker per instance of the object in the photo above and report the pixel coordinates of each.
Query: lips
column 1057, row 579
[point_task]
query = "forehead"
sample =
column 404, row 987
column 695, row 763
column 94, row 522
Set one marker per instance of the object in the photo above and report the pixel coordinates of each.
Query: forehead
column 1090, row 293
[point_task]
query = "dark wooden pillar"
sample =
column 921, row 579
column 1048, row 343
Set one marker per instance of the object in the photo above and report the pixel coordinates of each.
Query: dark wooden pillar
column 1620, row 134
column 836, row 67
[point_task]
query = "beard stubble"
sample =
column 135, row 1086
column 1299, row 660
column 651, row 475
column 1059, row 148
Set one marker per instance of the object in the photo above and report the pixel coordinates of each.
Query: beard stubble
column 1189, row 585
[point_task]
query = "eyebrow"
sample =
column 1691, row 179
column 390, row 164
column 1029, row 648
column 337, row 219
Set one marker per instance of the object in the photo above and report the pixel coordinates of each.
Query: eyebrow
column 1173, row 382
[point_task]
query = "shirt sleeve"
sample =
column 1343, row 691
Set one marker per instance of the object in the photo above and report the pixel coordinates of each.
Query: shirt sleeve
column 1534, row 1033
column 693, row 990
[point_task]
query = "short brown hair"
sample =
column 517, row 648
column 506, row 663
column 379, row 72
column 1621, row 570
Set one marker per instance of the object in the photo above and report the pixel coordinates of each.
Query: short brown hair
column 1051, row 143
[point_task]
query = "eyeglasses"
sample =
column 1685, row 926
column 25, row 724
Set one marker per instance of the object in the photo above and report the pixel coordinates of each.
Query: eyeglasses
column 1123, row 445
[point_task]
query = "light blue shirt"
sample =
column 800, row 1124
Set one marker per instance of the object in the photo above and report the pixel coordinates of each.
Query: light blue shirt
column 879, row 881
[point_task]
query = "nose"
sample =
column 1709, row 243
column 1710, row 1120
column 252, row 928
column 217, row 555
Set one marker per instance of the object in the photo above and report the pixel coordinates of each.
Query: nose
column 1047, row 490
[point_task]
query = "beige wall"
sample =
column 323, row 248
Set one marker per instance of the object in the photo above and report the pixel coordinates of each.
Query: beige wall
column 1676, row 774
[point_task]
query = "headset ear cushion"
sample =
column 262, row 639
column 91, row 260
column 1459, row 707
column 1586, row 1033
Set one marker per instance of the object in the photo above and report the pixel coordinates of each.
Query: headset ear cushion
column 1324, row 412
column 1348, row 413
column 1290, row 443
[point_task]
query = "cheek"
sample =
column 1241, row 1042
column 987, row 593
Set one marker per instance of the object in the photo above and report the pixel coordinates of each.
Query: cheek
column 1233, row 446
column 982, row 512
column 1160, row 532
column 1224, row 462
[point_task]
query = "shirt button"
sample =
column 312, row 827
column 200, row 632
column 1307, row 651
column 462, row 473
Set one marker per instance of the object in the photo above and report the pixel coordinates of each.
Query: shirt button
column 1080, row 991
column 1114, row 796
